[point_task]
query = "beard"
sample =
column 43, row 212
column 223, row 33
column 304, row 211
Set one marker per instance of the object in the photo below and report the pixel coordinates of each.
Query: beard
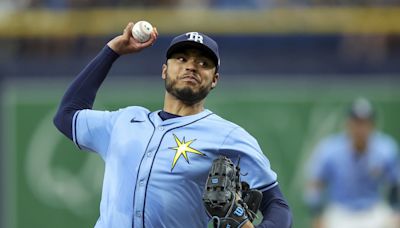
column 186, row 94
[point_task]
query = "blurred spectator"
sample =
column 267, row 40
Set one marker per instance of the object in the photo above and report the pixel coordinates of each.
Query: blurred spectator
column 348, row 173
column 232, row 4
column 226, row 4
column 86, row 4
column 7, row 5
column 194, row 4
column 342, row 2
column 48, row 47
column 370, row 49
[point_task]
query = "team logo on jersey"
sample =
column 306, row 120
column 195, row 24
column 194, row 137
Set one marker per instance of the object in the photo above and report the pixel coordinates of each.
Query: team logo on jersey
column 182, row 148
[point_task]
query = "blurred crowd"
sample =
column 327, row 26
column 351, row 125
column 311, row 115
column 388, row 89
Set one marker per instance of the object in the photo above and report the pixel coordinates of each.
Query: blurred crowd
column 72, row 4
column 347, row 51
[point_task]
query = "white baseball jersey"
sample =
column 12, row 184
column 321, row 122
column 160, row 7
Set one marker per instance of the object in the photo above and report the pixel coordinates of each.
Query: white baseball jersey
column 155, row 170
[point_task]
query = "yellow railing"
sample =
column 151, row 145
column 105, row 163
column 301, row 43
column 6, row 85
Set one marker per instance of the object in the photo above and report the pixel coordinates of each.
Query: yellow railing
column 94, row 22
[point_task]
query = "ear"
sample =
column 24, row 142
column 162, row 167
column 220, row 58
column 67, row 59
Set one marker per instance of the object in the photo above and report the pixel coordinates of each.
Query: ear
column 164, row 71
column 215, row 81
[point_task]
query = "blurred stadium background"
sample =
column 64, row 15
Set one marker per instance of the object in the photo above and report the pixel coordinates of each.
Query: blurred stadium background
column 288, row 70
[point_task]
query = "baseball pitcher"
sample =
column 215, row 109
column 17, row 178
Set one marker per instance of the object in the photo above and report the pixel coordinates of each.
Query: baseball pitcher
column 158, row 163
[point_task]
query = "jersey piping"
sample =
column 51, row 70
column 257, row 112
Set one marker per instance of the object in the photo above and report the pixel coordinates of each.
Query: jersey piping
column 158, row 147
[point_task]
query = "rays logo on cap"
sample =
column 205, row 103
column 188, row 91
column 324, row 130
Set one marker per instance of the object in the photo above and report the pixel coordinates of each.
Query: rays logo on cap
column 195, row 36
column 195, row 40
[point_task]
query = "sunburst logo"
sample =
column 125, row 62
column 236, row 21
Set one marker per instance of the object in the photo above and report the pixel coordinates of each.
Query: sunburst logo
column 182, row 148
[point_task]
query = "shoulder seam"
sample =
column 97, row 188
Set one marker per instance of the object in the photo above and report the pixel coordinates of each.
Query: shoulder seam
column 227, row 135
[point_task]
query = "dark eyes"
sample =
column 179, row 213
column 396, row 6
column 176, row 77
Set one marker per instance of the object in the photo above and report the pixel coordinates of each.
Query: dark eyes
column 200, row 61
column 203, row 63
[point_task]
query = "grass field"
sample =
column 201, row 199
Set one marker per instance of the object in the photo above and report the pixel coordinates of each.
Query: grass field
column 48, row 183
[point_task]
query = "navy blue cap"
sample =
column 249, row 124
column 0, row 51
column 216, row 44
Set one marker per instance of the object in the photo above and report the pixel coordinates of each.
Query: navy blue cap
column 195, row 40
column 361, row 108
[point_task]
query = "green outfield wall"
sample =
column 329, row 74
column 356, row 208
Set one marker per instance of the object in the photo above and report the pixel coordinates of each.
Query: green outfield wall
column 50, row 183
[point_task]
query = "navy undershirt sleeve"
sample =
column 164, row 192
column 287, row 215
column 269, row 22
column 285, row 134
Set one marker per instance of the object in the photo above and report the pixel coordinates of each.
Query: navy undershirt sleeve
column 82, row 92
column 275, row 210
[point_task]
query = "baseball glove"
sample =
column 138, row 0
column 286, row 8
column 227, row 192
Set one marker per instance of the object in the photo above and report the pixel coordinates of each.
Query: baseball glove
column 226, row 201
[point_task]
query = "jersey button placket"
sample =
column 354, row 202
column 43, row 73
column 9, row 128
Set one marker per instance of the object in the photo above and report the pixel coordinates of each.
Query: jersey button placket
column 144, row 172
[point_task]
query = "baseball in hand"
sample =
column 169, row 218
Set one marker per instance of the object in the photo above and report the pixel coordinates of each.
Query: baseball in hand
column 141, row 31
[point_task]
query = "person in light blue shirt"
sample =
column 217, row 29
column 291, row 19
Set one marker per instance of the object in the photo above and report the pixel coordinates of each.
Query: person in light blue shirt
column 350, row 170
column 157, row 162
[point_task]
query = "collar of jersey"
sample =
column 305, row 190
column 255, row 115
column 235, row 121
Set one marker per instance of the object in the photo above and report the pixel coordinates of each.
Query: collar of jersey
column 183, row 120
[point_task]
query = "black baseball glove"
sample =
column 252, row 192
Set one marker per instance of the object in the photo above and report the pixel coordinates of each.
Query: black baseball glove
column 230, row 202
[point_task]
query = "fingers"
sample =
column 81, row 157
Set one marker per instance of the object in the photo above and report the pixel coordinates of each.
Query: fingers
column 127, row 31
column 125, row 43
column 152, row 39
column 155, row 31
column 154, row 35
